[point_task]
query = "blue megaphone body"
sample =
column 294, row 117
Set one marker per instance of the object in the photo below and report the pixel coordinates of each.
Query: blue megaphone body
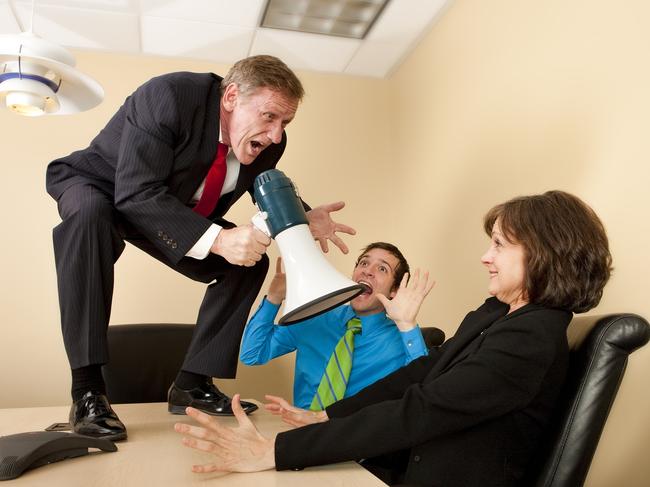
column 313, row 285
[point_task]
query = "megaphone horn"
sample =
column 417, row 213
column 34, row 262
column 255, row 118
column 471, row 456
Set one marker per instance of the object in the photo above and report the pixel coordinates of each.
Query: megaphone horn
column 313, row 285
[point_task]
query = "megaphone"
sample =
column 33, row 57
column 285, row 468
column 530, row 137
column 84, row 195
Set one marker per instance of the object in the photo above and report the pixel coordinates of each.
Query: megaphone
column 313, row 285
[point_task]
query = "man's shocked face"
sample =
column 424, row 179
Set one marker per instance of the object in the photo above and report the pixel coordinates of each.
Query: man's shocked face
column 253, row 121
column 376, row 269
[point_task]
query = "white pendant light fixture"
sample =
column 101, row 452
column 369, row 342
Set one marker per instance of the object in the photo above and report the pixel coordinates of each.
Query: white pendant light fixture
column 37, row 77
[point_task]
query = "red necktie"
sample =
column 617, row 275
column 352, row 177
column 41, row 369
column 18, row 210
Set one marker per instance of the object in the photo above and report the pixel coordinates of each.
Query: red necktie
column 213, row 183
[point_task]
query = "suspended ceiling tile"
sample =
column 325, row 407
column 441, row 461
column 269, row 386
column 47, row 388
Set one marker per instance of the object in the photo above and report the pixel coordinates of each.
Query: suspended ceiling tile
column 124, row 6
column 396, row 32
column 242, row 13
column 222, row 31
column 88, row 29
column 197, row 40
column 8, row 24
column 306, row 51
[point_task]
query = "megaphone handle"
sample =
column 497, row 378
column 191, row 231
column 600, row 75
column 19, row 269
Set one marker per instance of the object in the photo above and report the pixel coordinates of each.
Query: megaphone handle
column 259, row 221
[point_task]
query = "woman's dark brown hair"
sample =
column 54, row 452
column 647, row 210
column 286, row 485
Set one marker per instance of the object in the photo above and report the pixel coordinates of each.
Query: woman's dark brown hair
column 566, row 249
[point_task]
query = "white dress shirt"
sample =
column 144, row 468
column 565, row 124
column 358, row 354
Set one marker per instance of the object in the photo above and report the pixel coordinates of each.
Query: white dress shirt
column 201, row 248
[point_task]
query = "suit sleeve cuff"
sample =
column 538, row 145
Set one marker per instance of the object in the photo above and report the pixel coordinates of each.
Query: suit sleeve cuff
column 201, row 248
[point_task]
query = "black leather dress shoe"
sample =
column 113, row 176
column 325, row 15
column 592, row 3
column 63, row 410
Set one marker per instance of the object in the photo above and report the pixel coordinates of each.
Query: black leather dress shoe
column 206, row 398
column 92, row 415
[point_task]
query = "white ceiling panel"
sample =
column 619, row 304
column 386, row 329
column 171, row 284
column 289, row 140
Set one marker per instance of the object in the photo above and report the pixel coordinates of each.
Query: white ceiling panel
column 222, row 31
column 83, row 28
column 243, row 13
column 401, row 25
column 306, row 51
column 8, row 24
column 124, row 6
column 196, row 40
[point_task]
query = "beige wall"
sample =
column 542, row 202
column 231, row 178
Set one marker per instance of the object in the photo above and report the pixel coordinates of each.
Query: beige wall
column 511, row 97
column 501, row 98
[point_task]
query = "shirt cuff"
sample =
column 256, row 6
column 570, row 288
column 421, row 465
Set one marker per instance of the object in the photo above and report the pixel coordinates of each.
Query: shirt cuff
column 201, row 248
column 414, row 342
column 269, row 308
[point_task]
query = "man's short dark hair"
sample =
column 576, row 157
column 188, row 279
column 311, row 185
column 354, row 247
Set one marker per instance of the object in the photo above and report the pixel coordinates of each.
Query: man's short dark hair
column 567, row 254
column 402, row 265
column 264, row 71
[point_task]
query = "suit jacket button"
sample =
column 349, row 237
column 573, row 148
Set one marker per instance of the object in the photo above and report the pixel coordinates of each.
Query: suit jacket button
column 174, row 245
column 417, row 458
column 160, row 233
column 164, row 236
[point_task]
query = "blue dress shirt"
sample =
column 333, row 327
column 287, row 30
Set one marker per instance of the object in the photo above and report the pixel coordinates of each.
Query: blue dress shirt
column 379, row 349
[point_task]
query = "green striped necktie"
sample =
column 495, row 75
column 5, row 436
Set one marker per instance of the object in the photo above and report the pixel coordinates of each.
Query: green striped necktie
column 335, row 379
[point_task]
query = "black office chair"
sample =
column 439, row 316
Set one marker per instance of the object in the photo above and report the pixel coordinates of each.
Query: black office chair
column 144, row 360
column 600, row 346
column 433, row 337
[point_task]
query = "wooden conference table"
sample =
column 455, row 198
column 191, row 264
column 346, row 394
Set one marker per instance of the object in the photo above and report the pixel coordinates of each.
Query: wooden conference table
column 153, row 455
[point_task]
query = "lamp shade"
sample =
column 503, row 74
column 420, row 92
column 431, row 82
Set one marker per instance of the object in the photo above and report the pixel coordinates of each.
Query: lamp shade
column 37, row 77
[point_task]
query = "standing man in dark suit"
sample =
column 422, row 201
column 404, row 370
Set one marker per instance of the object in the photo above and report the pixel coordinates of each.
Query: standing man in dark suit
column 161, row 175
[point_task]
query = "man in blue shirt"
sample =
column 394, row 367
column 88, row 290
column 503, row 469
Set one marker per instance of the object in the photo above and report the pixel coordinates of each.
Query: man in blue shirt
column 390, row 337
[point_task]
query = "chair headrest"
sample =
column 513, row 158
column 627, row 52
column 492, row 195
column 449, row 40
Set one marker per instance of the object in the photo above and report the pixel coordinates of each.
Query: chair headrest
column 626, row 331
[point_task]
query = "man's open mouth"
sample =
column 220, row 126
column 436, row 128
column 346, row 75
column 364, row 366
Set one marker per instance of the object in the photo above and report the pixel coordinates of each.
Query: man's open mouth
column 367, row 288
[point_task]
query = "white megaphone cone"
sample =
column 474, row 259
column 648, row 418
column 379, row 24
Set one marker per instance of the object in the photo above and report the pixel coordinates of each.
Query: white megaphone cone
column 313, row 285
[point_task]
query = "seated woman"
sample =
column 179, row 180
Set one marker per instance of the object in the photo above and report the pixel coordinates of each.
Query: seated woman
column 472, row 413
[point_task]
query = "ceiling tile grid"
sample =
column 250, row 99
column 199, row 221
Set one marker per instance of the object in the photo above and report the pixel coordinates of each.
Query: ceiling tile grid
column 221, row 31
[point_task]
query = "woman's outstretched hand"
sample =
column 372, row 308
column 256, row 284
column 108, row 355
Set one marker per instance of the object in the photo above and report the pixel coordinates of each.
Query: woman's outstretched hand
column 238, row 449
column 291, row 414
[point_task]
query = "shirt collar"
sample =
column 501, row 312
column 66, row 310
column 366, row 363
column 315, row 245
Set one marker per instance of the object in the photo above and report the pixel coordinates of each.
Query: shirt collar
column 369, row 322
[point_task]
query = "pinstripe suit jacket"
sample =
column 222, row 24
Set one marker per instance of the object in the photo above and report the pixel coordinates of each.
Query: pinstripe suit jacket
column 152, row 156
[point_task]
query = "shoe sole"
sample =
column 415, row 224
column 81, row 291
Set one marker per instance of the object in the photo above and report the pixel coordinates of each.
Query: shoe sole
column 115, row 437
column 118, row 437
column 180, row 410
